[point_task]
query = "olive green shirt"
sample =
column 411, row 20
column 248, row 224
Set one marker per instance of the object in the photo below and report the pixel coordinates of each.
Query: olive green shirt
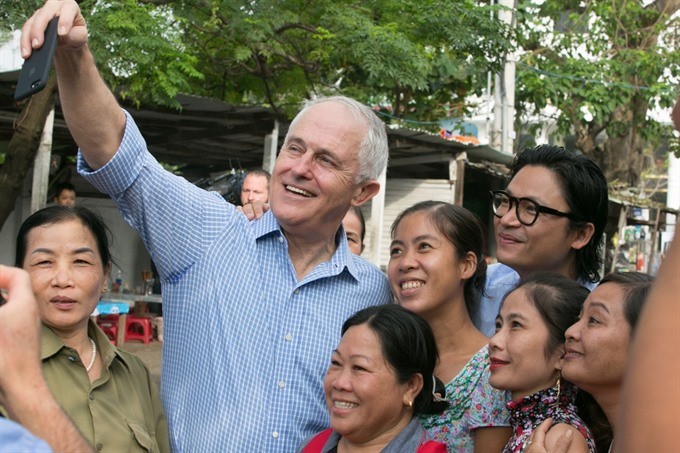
column 119, row 412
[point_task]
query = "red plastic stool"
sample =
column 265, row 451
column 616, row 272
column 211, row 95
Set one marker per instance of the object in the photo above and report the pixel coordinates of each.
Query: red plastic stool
column 109, row 325
column 110, row 330
column 138, row 328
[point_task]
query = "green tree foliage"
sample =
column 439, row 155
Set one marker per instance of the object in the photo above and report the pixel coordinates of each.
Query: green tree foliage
column 420, row 58
column 603, row 65
column 417, row 59
column 138, row 47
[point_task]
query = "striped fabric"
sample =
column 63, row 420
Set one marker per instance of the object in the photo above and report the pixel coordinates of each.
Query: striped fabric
column 246, row 344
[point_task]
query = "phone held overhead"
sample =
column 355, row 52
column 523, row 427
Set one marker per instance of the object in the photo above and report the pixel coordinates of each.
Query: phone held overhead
column 36, row 68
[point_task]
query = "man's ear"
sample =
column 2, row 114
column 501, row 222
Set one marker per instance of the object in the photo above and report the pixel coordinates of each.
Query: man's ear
column 366, row 191
column 583, row 236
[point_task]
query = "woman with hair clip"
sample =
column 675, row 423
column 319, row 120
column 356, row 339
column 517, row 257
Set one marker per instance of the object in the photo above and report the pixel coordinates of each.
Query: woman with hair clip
column 436, row 266
column 526, row 356
column 379, row 379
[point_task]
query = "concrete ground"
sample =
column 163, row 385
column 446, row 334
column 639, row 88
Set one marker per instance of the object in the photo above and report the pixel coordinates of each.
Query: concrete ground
column 150, row 355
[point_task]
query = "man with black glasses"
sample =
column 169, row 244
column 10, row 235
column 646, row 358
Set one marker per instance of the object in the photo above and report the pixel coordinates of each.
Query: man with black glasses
column 550, row 218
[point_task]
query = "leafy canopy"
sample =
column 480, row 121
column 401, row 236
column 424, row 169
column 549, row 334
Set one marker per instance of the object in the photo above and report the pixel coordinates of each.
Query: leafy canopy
column 602, row 64
column 417, row 58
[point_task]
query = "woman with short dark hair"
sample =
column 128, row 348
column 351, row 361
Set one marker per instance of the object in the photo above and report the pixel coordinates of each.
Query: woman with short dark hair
column 380, row 378
column 107, row 392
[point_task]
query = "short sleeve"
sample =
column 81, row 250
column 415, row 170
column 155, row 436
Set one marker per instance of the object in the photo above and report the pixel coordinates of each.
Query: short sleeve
column 487, row 407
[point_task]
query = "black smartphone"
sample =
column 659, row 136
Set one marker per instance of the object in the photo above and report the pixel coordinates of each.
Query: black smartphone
column 36, row 69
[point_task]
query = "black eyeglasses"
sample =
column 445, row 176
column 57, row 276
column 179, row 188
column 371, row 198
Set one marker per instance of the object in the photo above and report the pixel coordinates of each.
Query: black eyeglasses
column 526, row 209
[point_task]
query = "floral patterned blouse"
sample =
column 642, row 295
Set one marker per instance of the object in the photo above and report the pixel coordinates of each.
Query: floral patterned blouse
column 527, row 413
column 473, row 404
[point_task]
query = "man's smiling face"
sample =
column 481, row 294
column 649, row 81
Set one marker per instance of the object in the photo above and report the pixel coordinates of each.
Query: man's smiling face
column 314, row 178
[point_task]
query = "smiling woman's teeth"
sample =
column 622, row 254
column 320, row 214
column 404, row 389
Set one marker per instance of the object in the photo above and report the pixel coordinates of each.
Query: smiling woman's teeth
column 298, row 191
column 411, row 285
column 344, row 405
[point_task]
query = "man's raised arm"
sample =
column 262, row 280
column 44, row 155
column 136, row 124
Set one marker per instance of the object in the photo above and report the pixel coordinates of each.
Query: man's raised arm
column 92, row 113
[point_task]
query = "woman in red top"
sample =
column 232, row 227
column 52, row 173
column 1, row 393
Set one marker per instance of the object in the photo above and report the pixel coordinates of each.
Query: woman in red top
column 380, row 376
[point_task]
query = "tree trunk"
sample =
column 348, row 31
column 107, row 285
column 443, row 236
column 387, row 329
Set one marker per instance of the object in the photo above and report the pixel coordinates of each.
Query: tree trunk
column 23, row 146
column 623, row 151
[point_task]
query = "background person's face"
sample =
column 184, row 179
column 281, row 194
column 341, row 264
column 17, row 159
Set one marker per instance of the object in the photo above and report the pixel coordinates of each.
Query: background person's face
column 65, row 198
column 254, row 189
column 354, row 231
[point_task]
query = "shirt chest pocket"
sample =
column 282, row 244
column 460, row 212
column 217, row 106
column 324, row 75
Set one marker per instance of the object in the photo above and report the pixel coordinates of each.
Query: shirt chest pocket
column 142, row 441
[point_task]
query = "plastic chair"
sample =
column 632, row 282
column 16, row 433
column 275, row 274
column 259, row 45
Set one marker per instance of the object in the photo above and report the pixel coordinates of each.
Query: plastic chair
column 138, row 328
column 109, row 325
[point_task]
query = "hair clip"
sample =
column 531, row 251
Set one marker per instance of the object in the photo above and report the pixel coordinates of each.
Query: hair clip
column 437, row 396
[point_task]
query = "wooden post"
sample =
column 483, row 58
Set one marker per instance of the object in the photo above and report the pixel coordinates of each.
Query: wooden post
column 457, row 177
column 655, row 237
column 271, row 142
column 41, row 165
column 621, row 225
column 377, row 216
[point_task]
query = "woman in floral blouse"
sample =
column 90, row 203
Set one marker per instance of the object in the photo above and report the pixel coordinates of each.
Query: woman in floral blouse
column 526, row 356
column 436, row 265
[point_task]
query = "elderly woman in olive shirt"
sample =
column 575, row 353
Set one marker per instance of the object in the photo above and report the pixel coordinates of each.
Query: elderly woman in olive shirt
column 107, row 392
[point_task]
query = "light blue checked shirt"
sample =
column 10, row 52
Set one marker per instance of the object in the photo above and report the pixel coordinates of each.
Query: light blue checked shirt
column 500, row 280
column 247, row 345
column 14, row 438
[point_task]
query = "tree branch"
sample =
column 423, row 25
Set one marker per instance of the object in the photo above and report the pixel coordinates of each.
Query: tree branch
column 284, row 28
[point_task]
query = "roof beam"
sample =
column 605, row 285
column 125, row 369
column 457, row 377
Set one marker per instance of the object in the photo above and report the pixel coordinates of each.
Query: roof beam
column 424, row 159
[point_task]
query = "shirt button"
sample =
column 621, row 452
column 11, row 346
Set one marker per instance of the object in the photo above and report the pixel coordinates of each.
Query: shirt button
column 282, row 384
column 99, row 446
column 91, row 396
column 275, row 434
column 297, row 291
column 280, row 238
column 289, row 337
column 71, row 358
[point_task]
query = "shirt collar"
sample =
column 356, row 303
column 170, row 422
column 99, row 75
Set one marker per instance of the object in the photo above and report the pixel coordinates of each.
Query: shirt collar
column 51, row 344
column 342, row 259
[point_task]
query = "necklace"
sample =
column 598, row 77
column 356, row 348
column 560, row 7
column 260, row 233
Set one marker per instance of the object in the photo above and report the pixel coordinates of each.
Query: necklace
column 94, row 355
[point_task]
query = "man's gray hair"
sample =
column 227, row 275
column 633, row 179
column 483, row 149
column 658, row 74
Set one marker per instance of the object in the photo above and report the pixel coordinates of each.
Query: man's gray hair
column 374, row 150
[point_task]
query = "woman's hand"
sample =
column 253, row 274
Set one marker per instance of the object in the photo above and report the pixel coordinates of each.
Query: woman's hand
column 536, row 442
column 19, row 333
